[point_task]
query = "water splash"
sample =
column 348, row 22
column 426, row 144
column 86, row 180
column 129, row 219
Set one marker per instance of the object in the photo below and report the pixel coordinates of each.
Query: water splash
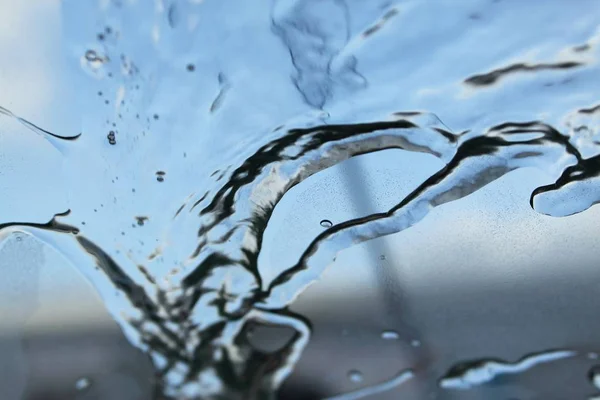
column 189, row 287
column 470, row 374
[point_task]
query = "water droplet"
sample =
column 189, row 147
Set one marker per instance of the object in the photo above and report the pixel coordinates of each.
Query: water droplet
column 91, row 55
column 326, row 223
column 594, row 376
column 82, row 383
column 111, row 138
column 93, row 60
column 355, row 376
column 415, row 343
column 390, row 335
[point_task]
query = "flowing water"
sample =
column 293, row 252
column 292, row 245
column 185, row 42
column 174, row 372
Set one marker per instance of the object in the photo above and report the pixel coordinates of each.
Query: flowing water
column 203, row 114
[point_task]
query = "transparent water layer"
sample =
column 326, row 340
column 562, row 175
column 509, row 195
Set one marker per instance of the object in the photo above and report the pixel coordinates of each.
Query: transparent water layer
column 197, row 117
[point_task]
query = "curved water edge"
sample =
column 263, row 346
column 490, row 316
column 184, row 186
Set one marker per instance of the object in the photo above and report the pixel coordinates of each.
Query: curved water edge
column 190, row 299
column 170, row 324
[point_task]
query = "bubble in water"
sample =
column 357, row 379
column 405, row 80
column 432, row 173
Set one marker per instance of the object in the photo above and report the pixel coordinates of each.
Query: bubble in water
column 93, row 60
column 390, row 335
column 91, row 56
column 370, row 391
column 239, row 209
column 594, row 376
column 355, row 376
column 415, row 343
column 326, row 223
column 82, row 383
column 111, row 138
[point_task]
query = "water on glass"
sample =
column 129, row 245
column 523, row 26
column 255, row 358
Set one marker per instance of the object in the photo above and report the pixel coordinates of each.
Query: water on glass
column 195, row 118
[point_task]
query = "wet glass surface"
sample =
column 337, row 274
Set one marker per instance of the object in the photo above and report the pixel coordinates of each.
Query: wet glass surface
column 299, row 199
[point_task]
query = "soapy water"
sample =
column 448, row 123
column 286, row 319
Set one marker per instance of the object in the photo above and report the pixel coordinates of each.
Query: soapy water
column 180, row 188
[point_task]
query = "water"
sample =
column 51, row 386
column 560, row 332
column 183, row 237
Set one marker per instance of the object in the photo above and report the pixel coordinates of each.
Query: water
column 390, row 335
column 375, row 389
column 199, row 132
column 594, row 376
column 355, row 376
column 82, row 384
column 471, row 374
column 326, row 223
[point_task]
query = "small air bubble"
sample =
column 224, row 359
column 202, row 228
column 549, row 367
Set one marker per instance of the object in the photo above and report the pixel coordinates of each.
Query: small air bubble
column 83, row 383
column 355, row 376
column 111, row 138
column 141, row 220
column 93, row 60
column 326, row 223
column 415, row 343
column 390, row 335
